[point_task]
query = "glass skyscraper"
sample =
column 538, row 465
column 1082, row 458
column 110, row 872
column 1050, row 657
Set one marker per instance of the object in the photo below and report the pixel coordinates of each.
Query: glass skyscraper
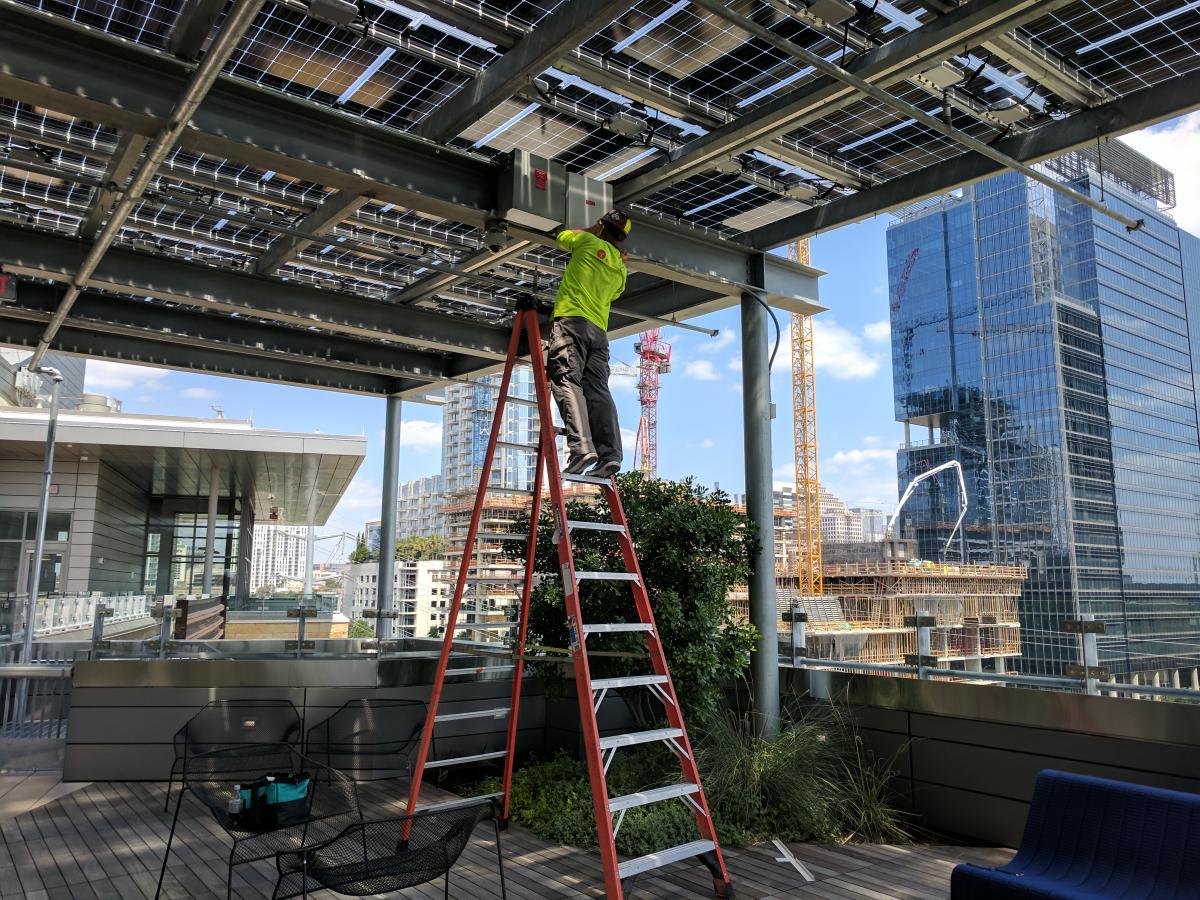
column 1053, row 354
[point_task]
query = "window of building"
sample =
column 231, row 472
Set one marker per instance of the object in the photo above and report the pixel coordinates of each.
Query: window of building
column 18, row 526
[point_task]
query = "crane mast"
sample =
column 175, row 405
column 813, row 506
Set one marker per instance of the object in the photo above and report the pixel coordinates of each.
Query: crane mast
column 804, row 419
column 654, row 359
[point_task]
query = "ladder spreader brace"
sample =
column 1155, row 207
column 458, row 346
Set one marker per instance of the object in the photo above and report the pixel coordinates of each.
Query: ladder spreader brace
column 600, row 751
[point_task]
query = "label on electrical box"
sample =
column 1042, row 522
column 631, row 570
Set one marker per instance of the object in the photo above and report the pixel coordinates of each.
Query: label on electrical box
column 541, row 178
column 8, row 286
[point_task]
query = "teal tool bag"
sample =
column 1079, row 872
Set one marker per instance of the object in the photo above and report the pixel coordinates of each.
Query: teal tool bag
column 274, row 801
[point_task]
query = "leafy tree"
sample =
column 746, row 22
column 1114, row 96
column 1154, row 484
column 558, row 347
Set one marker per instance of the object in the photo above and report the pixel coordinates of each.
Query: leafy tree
column 415, row 548
column 361, row 628
column 692, row 547
column 360, row 553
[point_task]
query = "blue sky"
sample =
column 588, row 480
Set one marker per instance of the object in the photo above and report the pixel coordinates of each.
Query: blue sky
column 700, row 410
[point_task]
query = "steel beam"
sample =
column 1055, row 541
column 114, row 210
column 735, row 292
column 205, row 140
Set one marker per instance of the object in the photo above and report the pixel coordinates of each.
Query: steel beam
column 194, row 25
column 76, row 341
column 570, row 24
column 84, row 73
column 199, row 82
column 337, row 206
column 42, row 255
column 1140, row 109
column 477, row 264
column 113, row 314
column 906, row 56
column 120, row 166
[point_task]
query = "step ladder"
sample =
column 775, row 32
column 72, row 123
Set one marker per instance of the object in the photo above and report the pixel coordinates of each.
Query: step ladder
column 610, row 811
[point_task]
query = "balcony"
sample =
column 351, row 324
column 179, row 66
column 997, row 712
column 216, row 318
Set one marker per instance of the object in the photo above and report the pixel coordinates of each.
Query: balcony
column 964, row 747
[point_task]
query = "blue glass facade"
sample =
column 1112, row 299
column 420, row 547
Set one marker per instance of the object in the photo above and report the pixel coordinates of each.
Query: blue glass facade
column 1052, row 353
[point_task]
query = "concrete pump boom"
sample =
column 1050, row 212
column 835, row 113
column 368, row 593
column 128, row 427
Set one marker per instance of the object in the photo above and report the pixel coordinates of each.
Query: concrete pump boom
column 962, row 497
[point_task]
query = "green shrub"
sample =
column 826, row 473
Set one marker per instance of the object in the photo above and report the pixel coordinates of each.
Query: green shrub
column 816, row 782
column 692, row 548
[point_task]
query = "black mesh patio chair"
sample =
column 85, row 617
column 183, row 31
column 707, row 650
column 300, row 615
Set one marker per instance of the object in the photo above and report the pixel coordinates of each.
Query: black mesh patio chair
column 387, row 855
column 369, row 739
column 330, row 805
column 232, row 723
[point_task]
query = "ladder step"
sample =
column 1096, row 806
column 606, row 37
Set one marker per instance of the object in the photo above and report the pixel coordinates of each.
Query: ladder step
column 616, row 627
column 482, row 626
column 498, row 713
column 639, row 737
column 595, row 526
column 501, row 536
column 463, row 760
column 654, row 795
column 460, row 802
column 510, row 445
column 646, row 863
column 606, row 576
column 588, row 479
column 520, row 401
column 608, row 684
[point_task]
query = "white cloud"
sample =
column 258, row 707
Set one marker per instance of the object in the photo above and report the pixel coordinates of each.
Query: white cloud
column 707, row 444
column 197, row 393
column 862, row 476
column 104, row 375
column 1176, row 145
column 878, row 332
column 363, row 493
column 871, row 440
column 421, row 435
column 701, row 370
column 735, row 364
column 628, row 441
column 846, row 459
column 724, row 338
column 839, row 352
column 625, row 384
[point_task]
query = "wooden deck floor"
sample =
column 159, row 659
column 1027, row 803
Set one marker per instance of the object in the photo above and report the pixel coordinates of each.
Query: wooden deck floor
column 107, row 840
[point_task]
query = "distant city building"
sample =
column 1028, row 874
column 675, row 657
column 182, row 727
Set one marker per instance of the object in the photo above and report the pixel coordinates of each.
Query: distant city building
column 874, row 522
column 1053, row 353
column 839, row 523
column 466, row 424
column 420, row 593
column 279, row 554
column 419, row 509
column 371, row 531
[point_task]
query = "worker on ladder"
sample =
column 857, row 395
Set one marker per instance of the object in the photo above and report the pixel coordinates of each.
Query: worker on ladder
column 577, row 359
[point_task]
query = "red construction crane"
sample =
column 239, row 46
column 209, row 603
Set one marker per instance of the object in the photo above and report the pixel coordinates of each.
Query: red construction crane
column 654, row 359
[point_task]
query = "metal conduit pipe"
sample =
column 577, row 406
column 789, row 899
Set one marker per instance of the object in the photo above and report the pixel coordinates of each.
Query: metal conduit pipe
column 834, row 71
column 232, row 31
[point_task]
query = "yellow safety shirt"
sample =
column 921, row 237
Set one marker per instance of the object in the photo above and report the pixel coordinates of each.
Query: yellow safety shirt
column 594, row 278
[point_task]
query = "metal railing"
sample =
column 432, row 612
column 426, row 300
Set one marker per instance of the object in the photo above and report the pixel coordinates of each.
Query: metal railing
column 926, row 657
column 34, row 701
column 64, row 613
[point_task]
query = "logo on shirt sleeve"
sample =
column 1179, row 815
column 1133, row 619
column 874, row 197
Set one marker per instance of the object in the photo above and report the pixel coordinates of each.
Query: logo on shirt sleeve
column 601, row 254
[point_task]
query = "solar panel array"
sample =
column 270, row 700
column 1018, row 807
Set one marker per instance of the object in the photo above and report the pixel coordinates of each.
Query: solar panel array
column 661, row 75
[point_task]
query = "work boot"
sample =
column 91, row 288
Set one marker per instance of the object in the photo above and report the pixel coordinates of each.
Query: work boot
column 606, row 469
column 577, row 462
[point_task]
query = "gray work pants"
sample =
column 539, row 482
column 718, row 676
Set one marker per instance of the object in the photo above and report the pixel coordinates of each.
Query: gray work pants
column 577, row 363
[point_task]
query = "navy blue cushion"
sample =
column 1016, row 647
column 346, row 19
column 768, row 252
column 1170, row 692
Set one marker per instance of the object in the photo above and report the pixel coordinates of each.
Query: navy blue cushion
column 1094, row 839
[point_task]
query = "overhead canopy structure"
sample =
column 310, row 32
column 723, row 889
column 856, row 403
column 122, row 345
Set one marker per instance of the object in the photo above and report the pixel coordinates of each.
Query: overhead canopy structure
column 320, row 219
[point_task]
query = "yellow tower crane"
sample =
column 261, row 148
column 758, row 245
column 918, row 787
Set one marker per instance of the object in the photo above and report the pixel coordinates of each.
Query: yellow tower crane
column 804, row 410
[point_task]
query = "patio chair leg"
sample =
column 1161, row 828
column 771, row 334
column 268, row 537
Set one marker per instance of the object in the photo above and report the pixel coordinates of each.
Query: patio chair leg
column 447, row 894
column 500, row 860
column 167, row 853
column 229, row 874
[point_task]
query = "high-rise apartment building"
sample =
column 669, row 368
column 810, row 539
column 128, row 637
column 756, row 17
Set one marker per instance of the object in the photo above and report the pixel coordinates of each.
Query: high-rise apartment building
column 466, row 425
column 278, row 555
column 419, row 509
column 839, row 523
column 420, row 594
column 873, row 522
column 1053, row 354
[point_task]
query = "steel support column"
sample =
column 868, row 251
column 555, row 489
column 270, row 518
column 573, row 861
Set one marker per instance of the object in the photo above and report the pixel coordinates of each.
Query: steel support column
column 39, row 539
column 386, row 627
column 210, row 540
column 756, row 415
column 310, row 547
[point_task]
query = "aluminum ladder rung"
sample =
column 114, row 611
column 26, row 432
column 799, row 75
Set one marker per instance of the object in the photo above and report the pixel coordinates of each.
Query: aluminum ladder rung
column 616, row 627
column 512, row 445
column 640, row 737
column 651, row 861
column 482, row 626
column 588, row 479
column 463, row 760
column 608, row 684
column 595, row 526
column 606, row 576
column 520, row 401
column 654, row 795
column 500, row 536
column 497, row 713
column 460, row 802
